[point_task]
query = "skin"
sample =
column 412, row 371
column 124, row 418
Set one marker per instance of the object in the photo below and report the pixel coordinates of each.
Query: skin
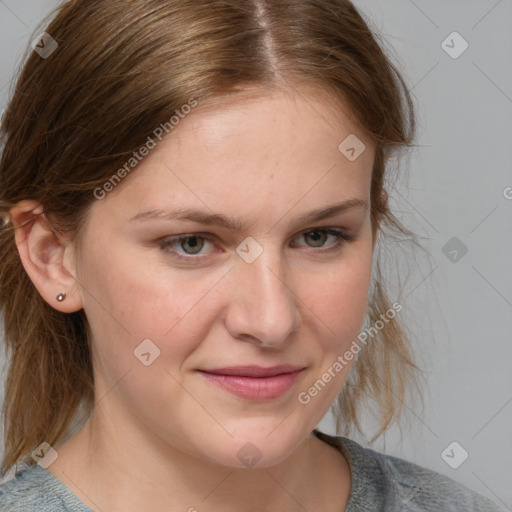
column 161, row 437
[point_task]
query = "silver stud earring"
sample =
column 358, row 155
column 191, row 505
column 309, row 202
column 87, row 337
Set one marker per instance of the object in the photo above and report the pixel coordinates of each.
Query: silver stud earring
column 61, row 297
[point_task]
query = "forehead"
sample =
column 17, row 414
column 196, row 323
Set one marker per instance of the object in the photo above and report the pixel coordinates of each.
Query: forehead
column 293, row 114
column 248, row 151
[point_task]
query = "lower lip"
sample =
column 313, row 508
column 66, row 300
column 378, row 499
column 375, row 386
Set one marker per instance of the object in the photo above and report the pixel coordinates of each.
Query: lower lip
column 255, row 388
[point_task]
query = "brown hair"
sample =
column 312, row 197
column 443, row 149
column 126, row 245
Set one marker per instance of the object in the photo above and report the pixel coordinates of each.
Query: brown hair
column 121, row 69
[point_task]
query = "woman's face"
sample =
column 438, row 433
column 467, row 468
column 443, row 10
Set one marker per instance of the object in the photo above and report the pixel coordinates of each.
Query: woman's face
column 278, row 290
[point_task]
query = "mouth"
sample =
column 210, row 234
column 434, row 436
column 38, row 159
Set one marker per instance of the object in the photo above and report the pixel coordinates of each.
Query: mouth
column 254, row 382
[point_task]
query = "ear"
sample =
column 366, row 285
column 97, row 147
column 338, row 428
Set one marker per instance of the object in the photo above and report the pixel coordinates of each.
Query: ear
column 45, row 255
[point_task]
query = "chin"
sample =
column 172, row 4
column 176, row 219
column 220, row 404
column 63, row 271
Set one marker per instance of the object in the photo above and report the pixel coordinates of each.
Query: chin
column 248, row 456
column 255, row 446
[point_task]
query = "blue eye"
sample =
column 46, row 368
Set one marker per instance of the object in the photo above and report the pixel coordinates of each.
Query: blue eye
column 195, row 242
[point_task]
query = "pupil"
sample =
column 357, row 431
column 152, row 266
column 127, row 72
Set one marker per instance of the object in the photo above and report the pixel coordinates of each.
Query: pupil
column 195, row 243
column 315, row 235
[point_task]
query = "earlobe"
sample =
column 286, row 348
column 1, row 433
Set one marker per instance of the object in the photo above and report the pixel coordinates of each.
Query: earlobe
column 42, row 253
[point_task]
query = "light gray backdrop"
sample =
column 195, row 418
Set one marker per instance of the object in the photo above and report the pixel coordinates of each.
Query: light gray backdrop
column 458, row 197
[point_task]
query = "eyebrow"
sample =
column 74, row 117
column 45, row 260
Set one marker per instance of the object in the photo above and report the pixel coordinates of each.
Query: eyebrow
column 236, row 225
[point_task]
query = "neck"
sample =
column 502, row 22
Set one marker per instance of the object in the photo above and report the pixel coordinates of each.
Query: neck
column 111, row 469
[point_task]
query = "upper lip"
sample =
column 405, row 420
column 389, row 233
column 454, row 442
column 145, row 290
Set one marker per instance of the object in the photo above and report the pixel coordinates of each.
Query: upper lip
column 255, row 371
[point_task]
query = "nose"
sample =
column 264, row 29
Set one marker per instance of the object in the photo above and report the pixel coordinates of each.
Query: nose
column 264, row 307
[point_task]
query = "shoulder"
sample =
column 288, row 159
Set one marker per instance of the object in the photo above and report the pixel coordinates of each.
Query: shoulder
column 33, row 489
column 422, row 489
column 384, row 482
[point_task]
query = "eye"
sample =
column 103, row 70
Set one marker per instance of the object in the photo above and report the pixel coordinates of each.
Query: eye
column 319, row 236
column 193, row 243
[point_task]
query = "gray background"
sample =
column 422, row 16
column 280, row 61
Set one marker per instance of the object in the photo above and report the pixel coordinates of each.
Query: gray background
column 459, row 312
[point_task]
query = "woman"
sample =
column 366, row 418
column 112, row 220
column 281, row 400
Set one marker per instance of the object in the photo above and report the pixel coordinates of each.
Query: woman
column 192, row 195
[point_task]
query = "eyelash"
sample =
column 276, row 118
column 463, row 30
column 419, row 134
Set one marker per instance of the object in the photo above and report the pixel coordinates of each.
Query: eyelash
column 342, row 238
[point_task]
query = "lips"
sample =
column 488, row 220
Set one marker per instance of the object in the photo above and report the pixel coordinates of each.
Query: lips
column 255, row 371
column 254, row 382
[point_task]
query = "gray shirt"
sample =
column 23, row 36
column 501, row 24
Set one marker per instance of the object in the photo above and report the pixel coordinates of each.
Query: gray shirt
column 380, row 483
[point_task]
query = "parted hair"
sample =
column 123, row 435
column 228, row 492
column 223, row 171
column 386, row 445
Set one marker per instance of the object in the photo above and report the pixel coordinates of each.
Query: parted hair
column 122, row 68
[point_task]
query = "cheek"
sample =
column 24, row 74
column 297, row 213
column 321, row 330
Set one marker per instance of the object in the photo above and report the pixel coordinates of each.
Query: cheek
column 339, row 300
column 339, row 308
column 128, row 301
